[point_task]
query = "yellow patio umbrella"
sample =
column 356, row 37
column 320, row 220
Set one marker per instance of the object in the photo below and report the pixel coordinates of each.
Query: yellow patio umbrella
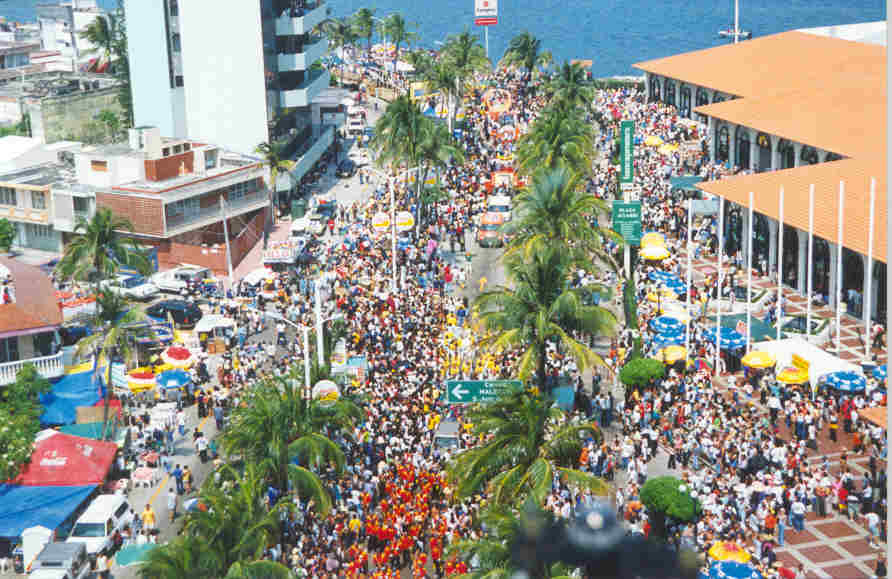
column 793, row 376
column 729, row 551
column 653, row 238
column 757, row 359
column 654, row 253
column 665, row 295
column 671, row 354
column 653, row 141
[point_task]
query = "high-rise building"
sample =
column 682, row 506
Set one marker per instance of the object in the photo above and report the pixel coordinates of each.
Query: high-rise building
column 237, row 74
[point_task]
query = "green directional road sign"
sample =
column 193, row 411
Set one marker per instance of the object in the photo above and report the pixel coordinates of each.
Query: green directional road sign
column 469, row 391
column 627, row 221
column 627, row 152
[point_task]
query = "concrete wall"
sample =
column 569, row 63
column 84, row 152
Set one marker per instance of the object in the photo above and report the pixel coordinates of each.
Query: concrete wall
column 67, row 117
column 223, row 68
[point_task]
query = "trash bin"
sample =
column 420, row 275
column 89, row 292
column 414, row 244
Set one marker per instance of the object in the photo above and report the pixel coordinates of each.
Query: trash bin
column 298, row 208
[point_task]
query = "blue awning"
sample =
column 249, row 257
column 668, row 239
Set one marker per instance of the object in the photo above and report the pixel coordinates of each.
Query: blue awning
column 22, row 507
column 685, row 182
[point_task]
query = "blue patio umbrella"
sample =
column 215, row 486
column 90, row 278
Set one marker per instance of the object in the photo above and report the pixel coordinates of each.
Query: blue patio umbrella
column 733, row 570
column 173, row 380
column 666, row 324
column 845, row 381
column 880, row 372
column 664, row 339
column 729, row 339
column 676, row 285
column 661, row 276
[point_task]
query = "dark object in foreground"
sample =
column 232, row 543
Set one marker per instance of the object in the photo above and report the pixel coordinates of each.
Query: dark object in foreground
column 596, row 542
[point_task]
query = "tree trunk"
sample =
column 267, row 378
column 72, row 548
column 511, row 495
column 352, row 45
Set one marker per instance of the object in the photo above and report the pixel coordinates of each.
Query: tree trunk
column 540, row 371
column 657, row 524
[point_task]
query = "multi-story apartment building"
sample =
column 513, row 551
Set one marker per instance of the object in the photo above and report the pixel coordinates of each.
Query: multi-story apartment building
column 242, row 76
column 61, row 24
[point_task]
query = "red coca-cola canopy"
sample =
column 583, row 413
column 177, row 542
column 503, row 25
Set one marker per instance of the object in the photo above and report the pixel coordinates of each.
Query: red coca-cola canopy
column 65, row 460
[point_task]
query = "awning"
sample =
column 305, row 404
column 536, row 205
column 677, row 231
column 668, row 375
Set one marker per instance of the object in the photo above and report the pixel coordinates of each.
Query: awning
column 22, row 507
column 64, row 460
column 685, row 182
column 874, row 415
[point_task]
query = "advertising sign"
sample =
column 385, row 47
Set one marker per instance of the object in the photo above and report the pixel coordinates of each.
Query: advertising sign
column 404, row 221
column 626, row 152
column 380, row 221
column 486, row 12
column 627, row 221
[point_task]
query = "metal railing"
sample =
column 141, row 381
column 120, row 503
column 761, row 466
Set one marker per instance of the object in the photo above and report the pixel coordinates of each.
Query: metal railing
column 213, row 212
column 47, row 366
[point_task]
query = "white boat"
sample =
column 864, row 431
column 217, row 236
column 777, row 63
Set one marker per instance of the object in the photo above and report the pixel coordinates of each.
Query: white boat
column 729, row 33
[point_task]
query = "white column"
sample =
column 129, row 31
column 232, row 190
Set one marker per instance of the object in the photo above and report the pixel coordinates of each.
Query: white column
column 713, row 141
column 745, row 230
column 797, row 150
column 867, row 299
column 732, row 145
column 772, row 244
column 754, row 151
column 647, row 78
column 831, row 274
column 802, row 238
column 775, row 160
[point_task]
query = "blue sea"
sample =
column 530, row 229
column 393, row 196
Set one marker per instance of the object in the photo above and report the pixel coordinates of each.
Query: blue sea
column 612, row 33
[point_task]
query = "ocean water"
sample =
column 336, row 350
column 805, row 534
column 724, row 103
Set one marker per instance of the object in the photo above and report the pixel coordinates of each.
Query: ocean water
column 612, row 33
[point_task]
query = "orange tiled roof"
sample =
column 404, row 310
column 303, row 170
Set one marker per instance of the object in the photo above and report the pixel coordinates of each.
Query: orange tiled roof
column 774, row 64
column 855, row 173
column 35, row 303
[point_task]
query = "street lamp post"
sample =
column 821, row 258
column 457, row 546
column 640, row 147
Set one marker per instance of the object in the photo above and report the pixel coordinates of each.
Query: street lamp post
column 392, row 186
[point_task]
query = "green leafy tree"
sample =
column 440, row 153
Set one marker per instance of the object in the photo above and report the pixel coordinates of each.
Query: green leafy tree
column 570, row 87
column 540, row 310
column 666, row 496
column 436, row 150
column 99, row 248
column 341, row 34
column 112, row 123
column 184, row 556
column 7, row 234
column 399, row 133
column 364, row 26
column 273, row 155
column 641, row 371
column 398, row 31
column 20, row 419
column 528, row 444
column 122, row 67
column 466, row 57
column 525, row 51
column 101, row 34
column 560, row 137
column 278, row 423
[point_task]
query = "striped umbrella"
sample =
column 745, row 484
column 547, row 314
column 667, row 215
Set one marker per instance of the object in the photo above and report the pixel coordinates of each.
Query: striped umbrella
column 669, row 339
column 845, row 381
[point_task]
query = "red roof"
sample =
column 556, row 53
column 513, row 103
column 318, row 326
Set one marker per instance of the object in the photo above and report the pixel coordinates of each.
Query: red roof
column 35, row 304
column 65, row 460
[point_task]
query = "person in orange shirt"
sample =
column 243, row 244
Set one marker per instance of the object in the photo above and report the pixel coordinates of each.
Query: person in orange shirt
column 770, row 523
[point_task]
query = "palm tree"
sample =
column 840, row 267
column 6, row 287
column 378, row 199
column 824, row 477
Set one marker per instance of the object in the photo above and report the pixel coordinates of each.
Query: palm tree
column 554, row 210
column 341, row 33
column 101, row 34
column 399, row 132
column 442, row 77
column 540, row 310
column 491, row 553
column 528, row 443
column 99, row 249
column 436, row 150
column 569, row 87
column 364, row 26
column 397, row 30
column 184, row 556
column 560, row 137
column 278, row 424
column 525, row 51
column 466, row 57
column 273, row 156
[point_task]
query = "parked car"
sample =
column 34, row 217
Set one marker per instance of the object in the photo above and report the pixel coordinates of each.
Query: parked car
column 96, row 527
column 489, row 233
column 317, row 223
column 61, row 561
column 346, row 168
column 179, row 278
column 184, row 314
column 135, row 287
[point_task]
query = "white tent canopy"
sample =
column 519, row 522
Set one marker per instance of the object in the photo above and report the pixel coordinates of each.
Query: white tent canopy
column 820, row 362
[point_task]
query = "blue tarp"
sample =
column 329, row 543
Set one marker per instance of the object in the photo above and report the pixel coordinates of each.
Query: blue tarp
column 71, row 391
column 57, row 411
column 26, row 506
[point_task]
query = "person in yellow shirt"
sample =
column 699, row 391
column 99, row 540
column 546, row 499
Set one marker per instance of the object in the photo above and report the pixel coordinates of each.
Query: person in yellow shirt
column 148, row 517
column 483, row 281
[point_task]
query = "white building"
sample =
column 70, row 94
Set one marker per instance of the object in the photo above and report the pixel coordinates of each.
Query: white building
column 60, row 28
column 238, row 76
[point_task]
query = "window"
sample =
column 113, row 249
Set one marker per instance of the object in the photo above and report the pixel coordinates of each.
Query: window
column 122, row 509
column 240, row 190
column 38, row 200
column 36, row 230
column 210, row 159
column 177, row 149
column 186, row 146
column 43, row 344
column 174, row 8
column 7, row 196
column 165, row 151
column 9, row 349
column 101, row 166
column 81, row 205
column 178, row 81
column 175, row 41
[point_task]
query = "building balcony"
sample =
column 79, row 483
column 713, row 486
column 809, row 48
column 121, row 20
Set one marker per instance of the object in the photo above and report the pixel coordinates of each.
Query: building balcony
column 182, row 223
column 303, row 94
column 48, row 366
column 298, row 22
column 303, row 60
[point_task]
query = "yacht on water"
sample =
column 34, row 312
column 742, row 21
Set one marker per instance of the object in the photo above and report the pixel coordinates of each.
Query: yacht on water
column 734, row 32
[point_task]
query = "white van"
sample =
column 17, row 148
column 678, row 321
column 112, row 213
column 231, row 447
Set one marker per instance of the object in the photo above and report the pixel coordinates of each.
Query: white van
column 95, row 528
column 499, row 204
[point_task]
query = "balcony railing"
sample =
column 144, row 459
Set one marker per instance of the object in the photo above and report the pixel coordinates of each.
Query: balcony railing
column 48, row 366
column 303, row 60
column 184, row 222
column 304, row 93
column 300, row 20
